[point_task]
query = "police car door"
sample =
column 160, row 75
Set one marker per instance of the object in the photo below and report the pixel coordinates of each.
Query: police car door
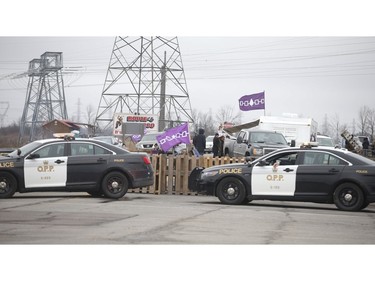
column 46, row 167
column 275, row 176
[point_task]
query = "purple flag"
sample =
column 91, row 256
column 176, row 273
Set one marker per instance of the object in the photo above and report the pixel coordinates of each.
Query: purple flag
column 174, row 136
column 252, row 102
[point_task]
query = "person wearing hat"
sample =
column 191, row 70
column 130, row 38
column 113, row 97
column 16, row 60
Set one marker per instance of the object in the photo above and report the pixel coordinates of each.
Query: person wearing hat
column 199, row 141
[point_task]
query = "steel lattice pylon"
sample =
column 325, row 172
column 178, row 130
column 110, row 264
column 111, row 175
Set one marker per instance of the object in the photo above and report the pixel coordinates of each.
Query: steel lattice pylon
column 45, row 98
column 145, row 76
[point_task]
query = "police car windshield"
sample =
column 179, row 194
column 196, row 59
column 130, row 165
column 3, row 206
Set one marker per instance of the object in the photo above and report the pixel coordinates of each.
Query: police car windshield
column 25, row 149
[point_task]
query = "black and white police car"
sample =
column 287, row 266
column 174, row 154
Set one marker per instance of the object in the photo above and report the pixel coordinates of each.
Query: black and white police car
column 305, row 174
column 66, row 164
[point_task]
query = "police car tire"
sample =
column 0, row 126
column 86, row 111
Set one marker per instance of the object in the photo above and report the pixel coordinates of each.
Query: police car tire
column 113, row 192
column 246, row 201
column 95, row 193
column 365, row 205
column 357, row 201
column 231, row 191
column 11, row 184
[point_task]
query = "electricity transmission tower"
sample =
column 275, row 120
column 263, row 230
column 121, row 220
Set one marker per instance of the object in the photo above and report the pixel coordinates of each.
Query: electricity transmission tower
column 145, row 76
column 45, row 98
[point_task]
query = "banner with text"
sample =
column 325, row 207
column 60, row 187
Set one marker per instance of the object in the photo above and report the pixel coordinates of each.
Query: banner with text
column 150, row 121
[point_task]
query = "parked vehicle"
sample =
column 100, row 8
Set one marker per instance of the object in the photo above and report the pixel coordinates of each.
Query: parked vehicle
column 295, row 130
column 148, row 141
column 209, row 144
column 304, row 174
column 256, row 143
column 229, row 145
column 324, row 141
column 69, row 164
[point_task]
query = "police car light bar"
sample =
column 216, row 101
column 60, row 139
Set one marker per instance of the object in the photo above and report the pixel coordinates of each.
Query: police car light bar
column 66, row 136
column 309, row 144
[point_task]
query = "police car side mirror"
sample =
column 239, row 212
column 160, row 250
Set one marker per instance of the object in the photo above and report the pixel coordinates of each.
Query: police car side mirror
column 263, row 163
column 33, row 156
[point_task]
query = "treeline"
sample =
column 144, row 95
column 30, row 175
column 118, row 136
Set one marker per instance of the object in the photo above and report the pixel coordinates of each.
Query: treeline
column 9, row 136
column 332, row 126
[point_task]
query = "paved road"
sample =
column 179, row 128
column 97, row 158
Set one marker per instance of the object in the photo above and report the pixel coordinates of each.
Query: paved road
column 77, row 218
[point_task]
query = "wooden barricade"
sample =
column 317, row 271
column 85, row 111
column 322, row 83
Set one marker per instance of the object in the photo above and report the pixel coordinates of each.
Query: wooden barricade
column 171, row 173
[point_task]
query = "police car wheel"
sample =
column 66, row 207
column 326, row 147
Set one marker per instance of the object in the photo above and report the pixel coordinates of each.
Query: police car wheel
column 231, row 191
column 8, row 185
column 115, row 185
column 348, row 197
column 95, row 193
column 365, row 205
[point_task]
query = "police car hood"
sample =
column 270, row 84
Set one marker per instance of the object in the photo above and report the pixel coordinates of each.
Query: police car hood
column 227, row 166
column 3, row 158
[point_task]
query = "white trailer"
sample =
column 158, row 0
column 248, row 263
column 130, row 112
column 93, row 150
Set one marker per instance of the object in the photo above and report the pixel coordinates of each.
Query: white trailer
column 295, row 129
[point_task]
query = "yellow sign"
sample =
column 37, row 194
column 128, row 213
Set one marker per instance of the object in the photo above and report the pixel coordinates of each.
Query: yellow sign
column 45, row 168
column 231, row 171
column 7, row 165
column 275, row 177
column 361, row 171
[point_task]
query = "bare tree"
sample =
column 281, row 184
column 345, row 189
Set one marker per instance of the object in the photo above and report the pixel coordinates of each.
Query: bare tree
column 203, row 120
column 371, row 123
column 325, row 126
column 363, row 118
column 90, row 115
column 337, row 128
column 227, row 114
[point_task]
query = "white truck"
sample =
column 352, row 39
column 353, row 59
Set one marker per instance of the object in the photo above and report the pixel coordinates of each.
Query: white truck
column 295, row 130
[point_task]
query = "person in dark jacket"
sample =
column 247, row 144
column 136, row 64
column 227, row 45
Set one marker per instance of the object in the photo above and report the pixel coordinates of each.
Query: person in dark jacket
column 199, row 141
column 365, row 143
column 221, row 145
column 216, row 145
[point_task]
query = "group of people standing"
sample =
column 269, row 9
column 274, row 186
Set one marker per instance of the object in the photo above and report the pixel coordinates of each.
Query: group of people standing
column 199, row 142
column 218, row 145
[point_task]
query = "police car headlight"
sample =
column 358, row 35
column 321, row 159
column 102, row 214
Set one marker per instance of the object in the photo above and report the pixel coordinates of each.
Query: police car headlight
column 257, row 151
column 206, row 175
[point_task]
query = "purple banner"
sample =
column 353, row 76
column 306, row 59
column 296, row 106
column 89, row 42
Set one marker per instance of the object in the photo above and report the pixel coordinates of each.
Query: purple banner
column 174, row 136
column 252, row 102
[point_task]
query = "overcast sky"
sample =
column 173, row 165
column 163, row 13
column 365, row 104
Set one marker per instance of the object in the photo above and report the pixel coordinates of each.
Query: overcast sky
column 304, row 75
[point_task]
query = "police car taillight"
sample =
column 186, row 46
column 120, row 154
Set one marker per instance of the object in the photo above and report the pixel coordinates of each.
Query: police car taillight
column 146, row 160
